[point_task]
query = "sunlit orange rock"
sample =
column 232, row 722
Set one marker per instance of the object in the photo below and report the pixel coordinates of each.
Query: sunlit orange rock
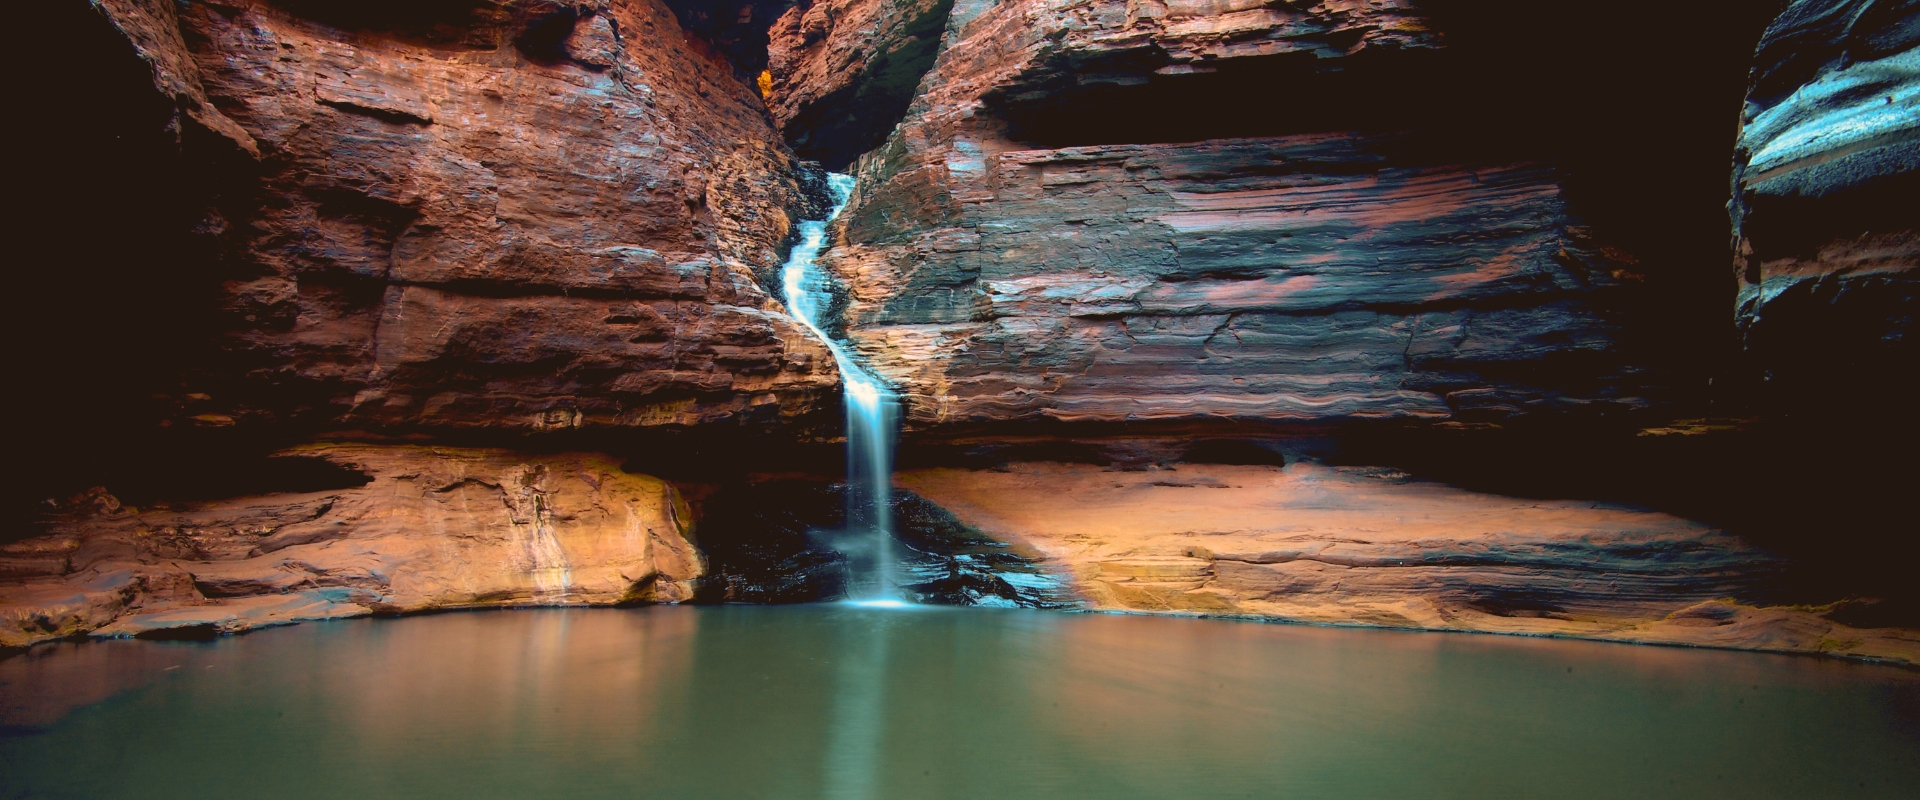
column 1369, row 546
column 433, row 528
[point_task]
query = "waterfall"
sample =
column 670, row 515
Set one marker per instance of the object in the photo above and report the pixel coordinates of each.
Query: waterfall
column 873, row 414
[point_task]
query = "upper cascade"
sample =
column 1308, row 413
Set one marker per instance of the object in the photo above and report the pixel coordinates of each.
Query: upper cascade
column 809, row 293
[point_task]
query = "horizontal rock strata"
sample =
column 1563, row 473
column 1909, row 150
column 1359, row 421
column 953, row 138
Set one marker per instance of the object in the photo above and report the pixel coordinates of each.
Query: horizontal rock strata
column 1828, row 234
column 1113, row 211
column 500, row 215
column 1303, row 277
column 433, row 528
column 1366, row 546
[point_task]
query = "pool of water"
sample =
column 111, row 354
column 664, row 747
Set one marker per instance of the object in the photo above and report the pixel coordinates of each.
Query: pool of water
column 842, row 702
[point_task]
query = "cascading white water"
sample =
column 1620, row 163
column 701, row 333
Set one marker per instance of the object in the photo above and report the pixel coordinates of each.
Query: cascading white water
column 873, row 413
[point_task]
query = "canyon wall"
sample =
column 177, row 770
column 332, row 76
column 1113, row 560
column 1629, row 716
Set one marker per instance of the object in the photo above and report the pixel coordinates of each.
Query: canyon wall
column 1204, row 234
column 1826, row 176
column 426, row 528
column 554, row 227
column 1105, row 211
column 504, row 215
column 1272, row 220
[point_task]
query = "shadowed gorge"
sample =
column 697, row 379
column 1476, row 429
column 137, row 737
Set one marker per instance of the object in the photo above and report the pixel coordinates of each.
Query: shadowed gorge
column 924, row 398
column 1471, row 242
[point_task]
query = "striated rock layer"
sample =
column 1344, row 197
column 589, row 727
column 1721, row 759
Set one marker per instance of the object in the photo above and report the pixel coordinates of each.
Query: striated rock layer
column 510, row 215
column 1368, row 546
column 432, row 528
column 1305, row 277
column 1119, row 211
column 1828, row 235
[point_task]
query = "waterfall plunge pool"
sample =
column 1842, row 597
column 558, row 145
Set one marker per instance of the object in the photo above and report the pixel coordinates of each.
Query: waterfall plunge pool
column 838, row 701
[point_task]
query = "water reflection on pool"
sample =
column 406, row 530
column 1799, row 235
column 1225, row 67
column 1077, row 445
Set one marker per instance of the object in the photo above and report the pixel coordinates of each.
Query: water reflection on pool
column 846, row 702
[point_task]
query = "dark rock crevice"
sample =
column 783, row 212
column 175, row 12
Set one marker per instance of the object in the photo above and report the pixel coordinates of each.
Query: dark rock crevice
column 736, row 28
column 840, row 126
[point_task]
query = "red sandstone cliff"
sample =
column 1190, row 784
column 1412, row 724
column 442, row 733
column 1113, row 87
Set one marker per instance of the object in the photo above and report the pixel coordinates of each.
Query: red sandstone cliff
column 517, row 215
column 1310, row 211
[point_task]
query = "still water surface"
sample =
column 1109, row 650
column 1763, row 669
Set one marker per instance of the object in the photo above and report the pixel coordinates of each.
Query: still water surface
column 839, row 702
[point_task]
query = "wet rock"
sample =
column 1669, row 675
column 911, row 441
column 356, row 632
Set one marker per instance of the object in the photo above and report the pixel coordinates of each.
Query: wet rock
column 766, row 544
column 789, row 541
column 432, row 528
column 1827, row 236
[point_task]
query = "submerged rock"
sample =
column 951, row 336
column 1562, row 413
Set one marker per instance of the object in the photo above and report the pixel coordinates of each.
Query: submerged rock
column 432, row 528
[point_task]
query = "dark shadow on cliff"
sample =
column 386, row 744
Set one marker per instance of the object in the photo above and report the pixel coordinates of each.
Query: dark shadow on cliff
column 1833, row 498
column 736, row 28
column 442, row 22
column 843, row 125
column 112, row 296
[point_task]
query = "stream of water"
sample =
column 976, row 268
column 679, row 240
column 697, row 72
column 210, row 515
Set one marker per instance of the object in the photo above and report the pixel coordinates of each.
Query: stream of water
column 873, row 416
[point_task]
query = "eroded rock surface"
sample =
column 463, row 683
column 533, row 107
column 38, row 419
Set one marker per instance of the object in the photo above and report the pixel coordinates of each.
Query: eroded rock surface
column 518, row 215
column 434, row 527
column 1311, row 543
column 1307, row 277
column 1828, row 236
column 1116, row 211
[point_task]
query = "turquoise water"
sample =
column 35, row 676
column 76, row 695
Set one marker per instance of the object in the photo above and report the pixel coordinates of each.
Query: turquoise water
column 831, row 701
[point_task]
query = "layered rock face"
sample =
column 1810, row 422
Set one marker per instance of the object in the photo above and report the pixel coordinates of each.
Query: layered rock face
column 431, row 528
column 1252, row 216
column 1370, row 546
column 504, row 215
column 1827, row 172
column 1306, row 277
